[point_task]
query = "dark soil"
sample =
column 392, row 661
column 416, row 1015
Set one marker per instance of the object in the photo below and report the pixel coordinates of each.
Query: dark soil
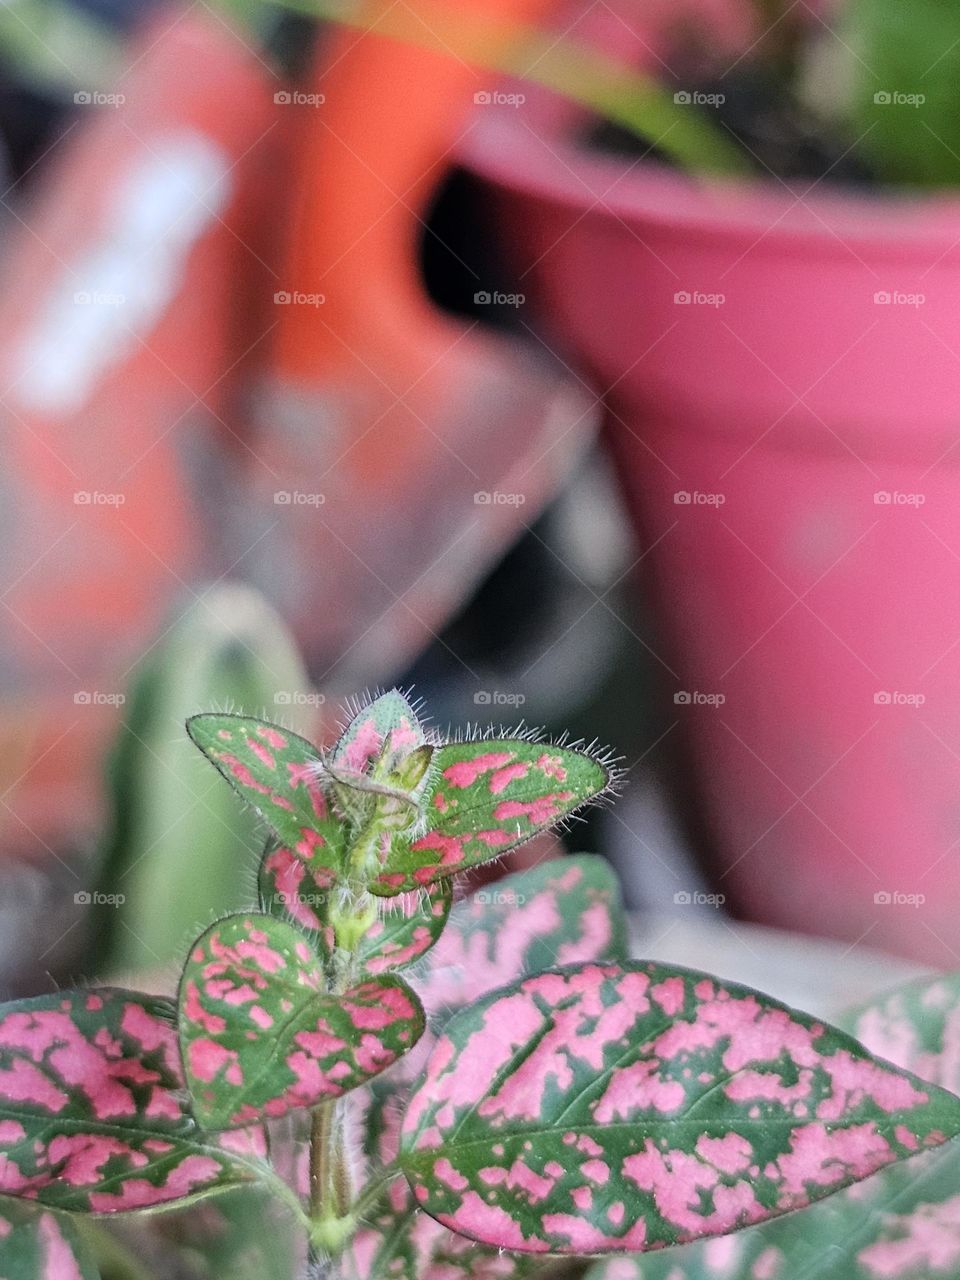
column 776, row 135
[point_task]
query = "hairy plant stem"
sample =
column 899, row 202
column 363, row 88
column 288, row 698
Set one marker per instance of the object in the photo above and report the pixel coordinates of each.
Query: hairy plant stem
column 332, row 1221
column 332, row 1215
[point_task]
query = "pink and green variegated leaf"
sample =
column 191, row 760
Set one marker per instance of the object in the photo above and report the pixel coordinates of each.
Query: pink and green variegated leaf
column 398, row 1241
column 298, row 890
column 901, row 1224
column 407, row 928
column 485, row 798
column 384, row 750
column 92, row 1112
column 402, row 1242
column 564, row 911
column 917, row 1026
column 389, row 717
column 36, row 1244
column 260, row 1034
column 606, row 1108
column 278, row 773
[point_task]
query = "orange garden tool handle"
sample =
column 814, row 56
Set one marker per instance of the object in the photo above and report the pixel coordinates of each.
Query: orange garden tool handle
column 385, row 134
column 392, row 417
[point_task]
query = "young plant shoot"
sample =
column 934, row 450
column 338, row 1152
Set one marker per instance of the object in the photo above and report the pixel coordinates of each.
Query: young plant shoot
column 474, row 1089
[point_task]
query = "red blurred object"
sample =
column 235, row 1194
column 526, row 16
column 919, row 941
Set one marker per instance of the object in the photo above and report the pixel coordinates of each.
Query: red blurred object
column 114, row 339
column 136, row 312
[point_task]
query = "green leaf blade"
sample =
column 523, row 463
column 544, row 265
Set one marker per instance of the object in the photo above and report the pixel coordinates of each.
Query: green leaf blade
column 260, row 1033
column 277, row 773
column 92, row 1116
column 607, row 1108
column 486, row 798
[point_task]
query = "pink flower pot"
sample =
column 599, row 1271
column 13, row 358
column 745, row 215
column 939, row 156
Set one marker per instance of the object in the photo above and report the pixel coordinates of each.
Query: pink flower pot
column 782, row 373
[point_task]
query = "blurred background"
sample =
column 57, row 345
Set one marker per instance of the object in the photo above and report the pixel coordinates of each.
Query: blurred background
column 593, row 365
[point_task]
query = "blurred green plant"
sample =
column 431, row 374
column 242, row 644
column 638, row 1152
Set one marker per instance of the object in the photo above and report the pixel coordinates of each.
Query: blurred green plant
column 904, row 88
column 58, row 47
column 886, row 83
column 33, row 31
column 173, row 824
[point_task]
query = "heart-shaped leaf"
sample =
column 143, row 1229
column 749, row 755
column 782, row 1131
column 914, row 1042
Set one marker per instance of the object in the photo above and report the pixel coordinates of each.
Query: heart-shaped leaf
column 260, row 1034
column 389, row 716
column 36, row 1244
column 299, row 890
column 383, row 750
column 564, row 911
column 278, row 773
column 91, row 1110
column 485, row 798
column 406, row 930
column 604, row 1108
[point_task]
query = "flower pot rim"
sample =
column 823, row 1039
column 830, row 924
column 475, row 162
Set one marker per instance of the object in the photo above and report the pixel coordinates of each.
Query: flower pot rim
column 541, row 155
